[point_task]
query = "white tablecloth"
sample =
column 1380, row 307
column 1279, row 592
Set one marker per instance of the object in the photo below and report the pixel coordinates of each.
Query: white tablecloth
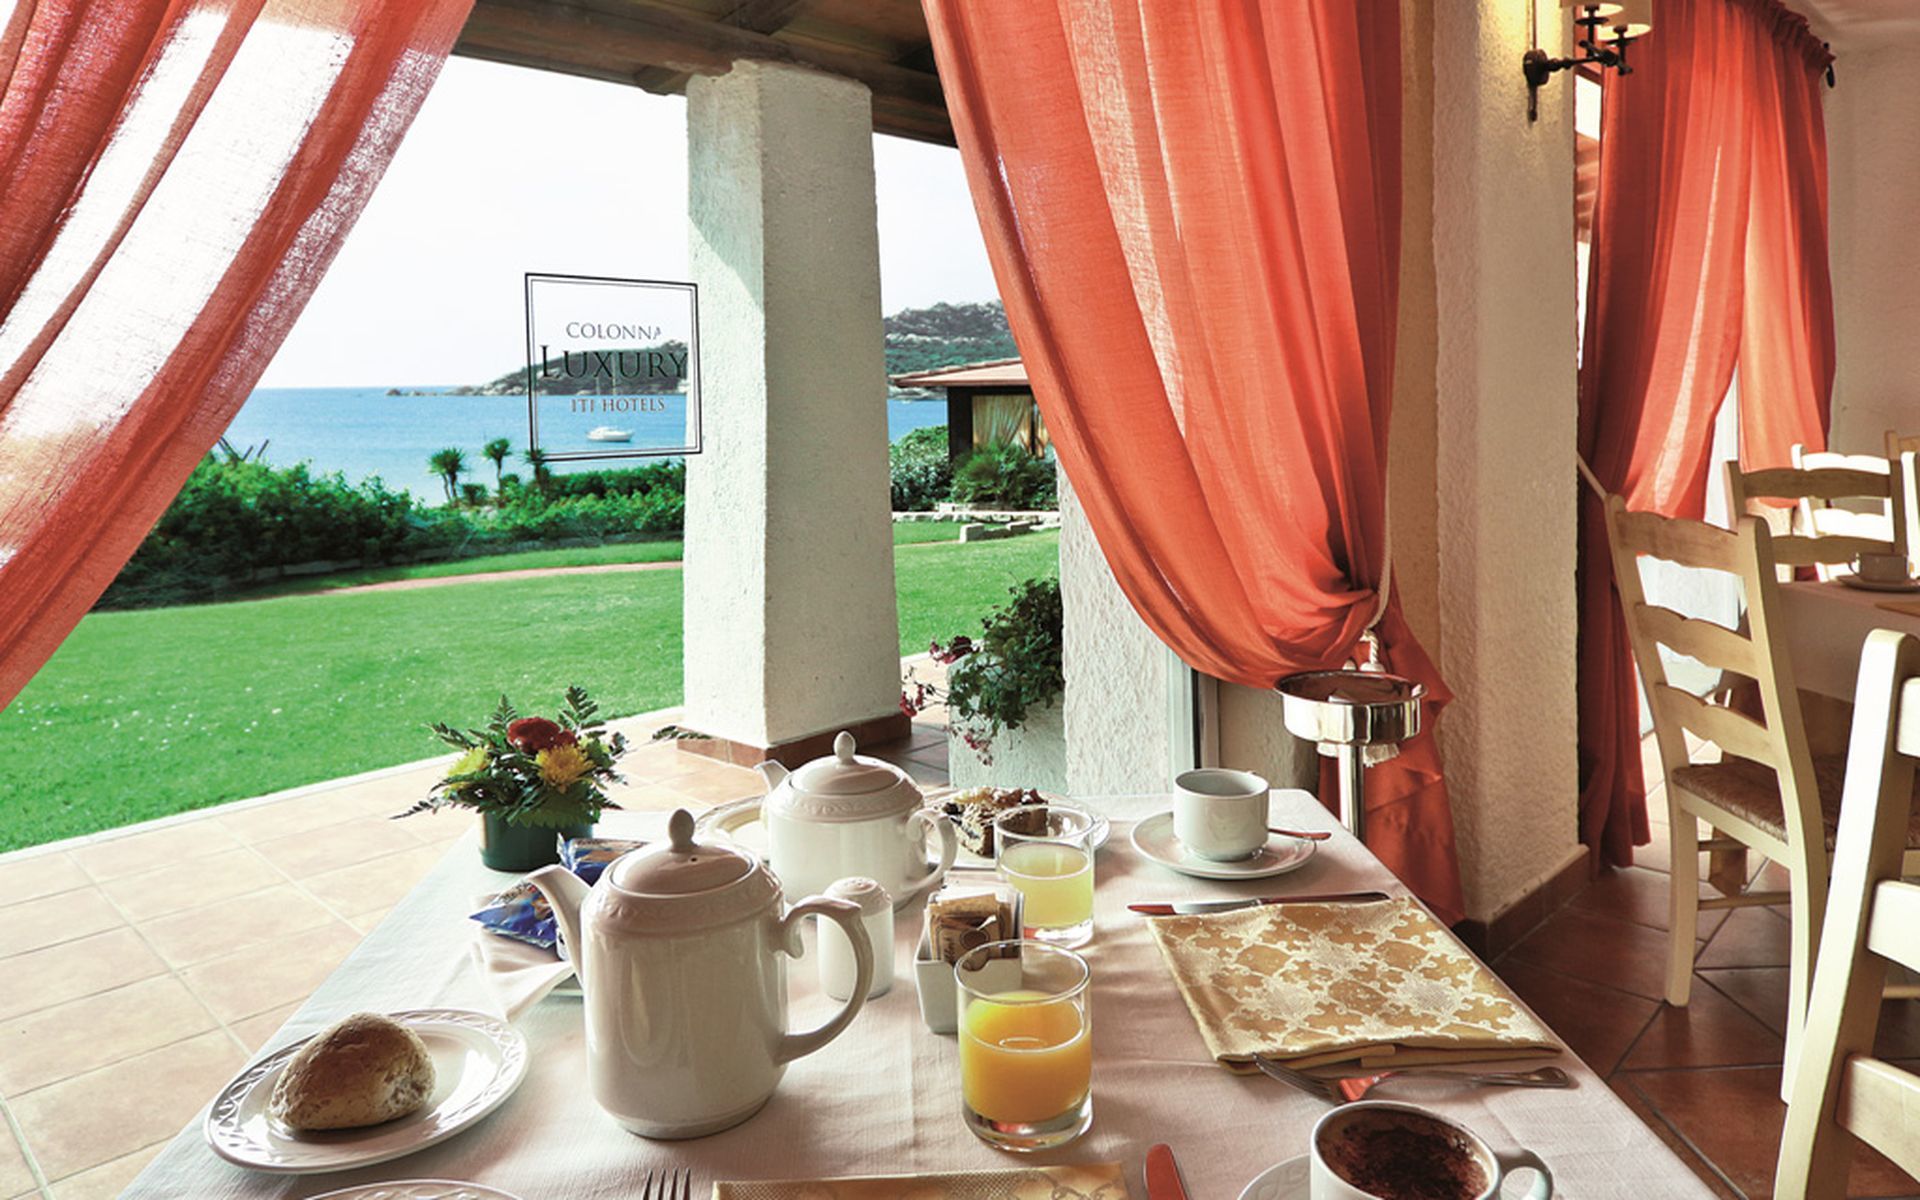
column 1825, row 626
column 884, row 1098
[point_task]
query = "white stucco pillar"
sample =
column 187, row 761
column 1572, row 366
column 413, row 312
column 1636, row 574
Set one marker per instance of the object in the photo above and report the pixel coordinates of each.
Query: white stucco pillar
column 1873, row 146
column 1503, row 249
column 791, row 628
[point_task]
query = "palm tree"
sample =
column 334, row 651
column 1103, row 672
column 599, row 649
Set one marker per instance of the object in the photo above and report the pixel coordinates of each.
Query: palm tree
column 497, row 450
column 537, row 459
column 449, row 464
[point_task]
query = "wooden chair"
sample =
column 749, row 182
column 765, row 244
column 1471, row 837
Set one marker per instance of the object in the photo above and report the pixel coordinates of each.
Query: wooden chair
column 1872, row 918
column 1769, row 793
column 1821, row 486
column 1897, row 445
column 1824, row 518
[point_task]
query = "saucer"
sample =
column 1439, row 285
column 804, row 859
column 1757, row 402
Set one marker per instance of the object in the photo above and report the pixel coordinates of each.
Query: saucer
column 1288, row 1181
column 1878, row 585
column 1154, row 838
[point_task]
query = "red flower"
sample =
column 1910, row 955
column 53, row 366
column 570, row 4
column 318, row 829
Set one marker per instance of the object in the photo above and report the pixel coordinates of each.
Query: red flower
column 534, row 734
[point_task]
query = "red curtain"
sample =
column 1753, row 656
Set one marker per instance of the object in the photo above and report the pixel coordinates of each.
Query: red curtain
column 1709, row 252
column 175, row 176
column 1193, row 215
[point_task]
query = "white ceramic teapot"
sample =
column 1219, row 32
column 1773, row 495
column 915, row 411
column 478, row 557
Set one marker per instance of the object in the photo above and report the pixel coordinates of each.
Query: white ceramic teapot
column 849, row 815
column 682, row 952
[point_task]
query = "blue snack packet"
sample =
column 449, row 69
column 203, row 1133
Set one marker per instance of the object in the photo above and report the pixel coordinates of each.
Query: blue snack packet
column 523, row 914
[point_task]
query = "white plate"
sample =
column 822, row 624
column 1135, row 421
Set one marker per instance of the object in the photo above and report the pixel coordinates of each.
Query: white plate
column 739, row 822
column 418, row 1189
column 477, row 1061
column 1154, row 838
column 1288, row 1181
column 1875, row 585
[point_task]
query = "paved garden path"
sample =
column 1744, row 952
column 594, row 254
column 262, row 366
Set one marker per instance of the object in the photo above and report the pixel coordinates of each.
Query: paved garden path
column 405, row 585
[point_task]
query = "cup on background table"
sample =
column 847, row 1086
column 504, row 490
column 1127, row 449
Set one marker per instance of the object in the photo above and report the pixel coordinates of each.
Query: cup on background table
column 1026, row 1044
column 1882, row 568
column 1220, row 815
column 1045, row 852
column 1379, row 1150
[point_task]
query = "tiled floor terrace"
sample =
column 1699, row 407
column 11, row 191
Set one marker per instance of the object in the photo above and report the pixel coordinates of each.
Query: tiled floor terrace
column 143, row 967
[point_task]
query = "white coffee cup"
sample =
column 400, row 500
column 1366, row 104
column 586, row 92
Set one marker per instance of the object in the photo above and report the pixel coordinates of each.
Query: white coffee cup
column 1882, row 568
column 1325, row 1183
column 1220, row 815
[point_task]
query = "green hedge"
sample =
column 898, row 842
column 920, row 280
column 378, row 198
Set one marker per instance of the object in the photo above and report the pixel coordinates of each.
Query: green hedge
column 922, row 473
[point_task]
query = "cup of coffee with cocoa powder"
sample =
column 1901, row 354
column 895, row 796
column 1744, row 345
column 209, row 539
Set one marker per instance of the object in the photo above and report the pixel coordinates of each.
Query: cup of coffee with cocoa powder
column 1377, row 1150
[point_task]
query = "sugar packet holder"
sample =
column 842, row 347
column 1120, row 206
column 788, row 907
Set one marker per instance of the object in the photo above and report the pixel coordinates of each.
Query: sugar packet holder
column 956, row 920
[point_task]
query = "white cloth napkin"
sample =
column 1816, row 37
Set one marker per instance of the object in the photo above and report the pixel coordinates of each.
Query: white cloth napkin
column 518, row 974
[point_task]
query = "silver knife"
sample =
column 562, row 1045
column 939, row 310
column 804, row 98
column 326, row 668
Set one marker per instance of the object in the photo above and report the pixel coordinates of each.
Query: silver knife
column 1187, row 908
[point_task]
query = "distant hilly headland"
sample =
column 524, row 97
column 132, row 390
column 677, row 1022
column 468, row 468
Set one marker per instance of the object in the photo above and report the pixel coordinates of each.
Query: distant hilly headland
column 917, row 339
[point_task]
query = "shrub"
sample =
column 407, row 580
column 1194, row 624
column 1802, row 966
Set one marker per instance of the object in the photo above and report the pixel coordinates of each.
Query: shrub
column 1005, row 476
column 1014, row 668
column 664, row 475
column 922, row 472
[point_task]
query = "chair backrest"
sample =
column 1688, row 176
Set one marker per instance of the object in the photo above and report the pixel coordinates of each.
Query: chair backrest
column 1759, row 654
column 1821, row 485
column 1824, row 518
column 1898, row 445
column 1873, row 918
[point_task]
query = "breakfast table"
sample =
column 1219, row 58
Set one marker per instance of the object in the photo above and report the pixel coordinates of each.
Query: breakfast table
column 885, row 1097
column 1827, row 622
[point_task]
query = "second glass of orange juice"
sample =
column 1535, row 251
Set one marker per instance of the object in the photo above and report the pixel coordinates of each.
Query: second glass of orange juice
column 1026, row 1044
column 1046, row 853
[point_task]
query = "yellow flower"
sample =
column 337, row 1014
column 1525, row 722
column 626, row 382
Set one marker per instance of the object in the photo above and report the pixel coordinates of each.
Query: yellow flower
column 475, row 759
column 561, row 766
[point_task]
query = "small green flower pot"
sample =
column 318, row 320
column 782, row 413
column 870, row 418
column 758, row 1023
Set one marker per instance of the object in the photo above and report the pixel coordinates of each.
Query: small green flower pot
column 505, row 846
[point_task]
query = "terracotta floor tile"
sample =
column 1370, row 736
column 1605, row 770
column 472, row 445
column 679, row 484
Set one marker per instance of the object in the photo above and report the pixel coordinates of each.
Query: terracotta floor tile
column 1711, row 1031
column 61, row 917
column 190, row 884
column 256, row 1031
column 31, row 876
column 298, row 814
column 107, row 1180
column 659, row 797
column 376, row 884
column 40, row 978
column 1732, row 1116
column 1641, row 896
column 303, row 855
column 1600, row 949
column 1750, row 937
column 16, row 1178
column 263, row 977
column 366, row 922
column 1702, row 1170
column 925, row 775
column 55, row 1043
column 434, row 828
column 1762, row 991
column 95, row 1118
column 258, row 917
column 718, row 785
column 1597, row 1023
column 154, row 848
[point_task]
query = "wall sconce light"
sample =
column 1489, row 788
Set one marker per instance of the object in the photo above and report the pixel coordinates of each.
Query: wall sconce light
column 1604, row 31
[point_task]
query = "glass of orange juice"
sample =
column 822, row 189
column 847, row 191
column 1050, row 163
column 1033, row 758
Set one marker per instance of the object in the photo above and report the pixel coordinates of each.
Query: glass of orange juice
column 1045, row 852
column 1026, row 1044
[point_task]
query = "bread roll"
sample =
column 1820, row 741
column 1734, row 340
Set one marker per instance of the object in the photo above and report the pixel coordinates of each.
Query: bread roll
column 361, row 1071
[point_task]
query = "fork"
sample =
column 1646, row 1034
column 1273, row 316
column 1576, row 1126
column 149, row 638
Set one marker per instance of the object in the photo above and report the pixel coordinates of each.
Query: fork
column 1348, row 1089
column 674, row 1185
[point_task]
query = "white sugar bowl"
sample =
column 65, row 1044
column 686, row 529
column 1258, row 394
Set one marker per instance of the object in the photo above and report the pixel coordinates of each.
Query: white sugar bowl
column 848, row 815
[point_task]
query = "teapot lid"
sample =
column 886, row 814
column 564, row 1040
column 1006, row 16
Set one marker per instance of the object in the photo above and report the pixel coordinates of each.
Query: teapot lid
column 845, row 786
column 702, row 884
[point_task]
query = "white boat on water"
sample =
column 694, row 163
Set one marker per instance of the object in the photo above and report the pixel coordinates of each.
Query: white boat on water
column 608, row 433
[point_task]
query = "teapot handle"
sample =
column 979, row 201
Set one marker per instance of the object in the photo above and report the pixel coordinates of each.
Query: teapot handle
column 846, row 915
column 922, row 820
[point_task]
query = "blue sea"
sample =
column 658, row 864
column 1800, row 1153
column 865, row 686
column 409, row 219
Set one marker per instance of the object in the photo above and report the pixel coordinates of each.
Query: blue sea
column 362, row 432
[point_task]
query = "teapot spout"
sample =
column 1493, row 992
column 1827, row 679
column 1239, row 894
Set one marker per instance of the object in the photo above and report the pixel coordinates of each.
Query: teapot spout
column 772, row 772
column 565, row 892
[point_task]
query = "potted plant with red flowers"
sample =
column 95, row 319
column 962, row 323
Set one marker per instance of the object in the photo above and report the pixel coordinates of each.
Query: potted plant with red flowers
column 534, row 781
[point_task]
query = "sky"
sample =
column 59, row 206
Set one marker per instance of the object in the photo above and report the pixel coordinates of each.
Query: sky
column 427, row 287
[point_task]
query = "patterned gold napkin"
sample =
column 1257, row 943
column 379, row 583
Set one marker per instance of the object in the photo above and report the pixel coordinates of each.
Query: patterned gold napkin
column 1093, row 1181
column 1311, row 984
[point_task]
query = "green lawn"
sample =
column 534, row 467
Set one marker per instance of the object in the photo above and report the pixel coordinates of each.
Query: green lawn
column 151, row 712
column 905, row 533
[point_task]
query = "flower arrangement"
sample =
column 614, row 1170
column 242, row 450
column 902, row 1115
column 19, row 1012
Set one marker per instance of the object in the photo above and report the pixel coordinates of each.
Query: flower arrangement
column 531, row 771
column 993, row 683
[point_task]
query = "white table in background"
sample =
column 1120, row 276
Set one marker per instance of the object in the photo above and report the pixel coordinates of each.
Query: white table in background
column 885, row 1097
column 1825, row 625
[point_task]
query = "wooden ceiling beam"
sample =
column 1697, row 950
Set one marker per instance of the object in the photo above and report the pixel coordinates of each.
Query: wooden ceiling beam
column 630, row 43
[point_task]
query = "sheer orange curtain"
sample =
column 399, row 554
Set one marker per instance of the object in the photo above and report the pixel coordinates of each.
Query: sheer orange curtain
column 175, row 176
column 1193, row 214
column 1709, row 253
